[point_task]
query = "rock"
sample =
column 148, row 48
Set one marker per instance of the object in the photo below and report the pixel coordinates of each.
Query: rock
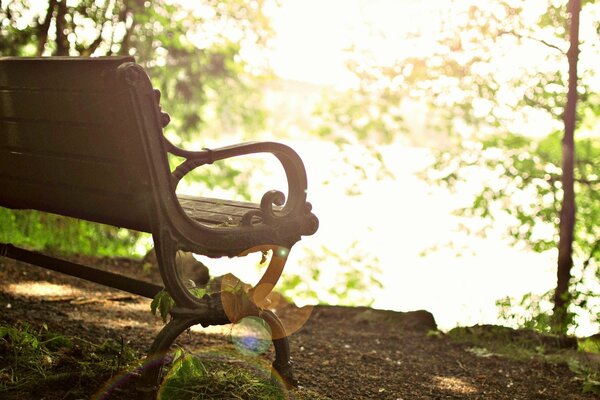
column 189, row 268
column 419, row 320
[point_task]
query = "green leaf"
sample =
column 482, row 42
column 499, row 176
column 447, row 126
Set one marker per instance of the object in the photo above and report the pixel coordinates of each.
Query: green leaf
column 163, row 303
column 591, row 386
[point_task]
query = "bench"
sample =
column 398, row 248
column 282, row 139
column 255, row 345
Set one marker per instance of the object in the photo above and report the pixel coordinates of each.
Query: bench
column 82, row 137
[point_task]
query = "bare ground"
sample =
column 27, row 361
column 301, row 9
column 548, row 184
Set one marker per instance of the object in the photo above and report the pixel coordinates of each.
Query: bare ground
column 340, row 352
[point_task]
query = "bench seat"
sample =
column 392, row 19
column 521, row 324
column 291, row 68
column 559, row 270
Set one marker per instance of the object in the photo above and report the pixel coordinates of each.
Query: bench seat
column 214, row 212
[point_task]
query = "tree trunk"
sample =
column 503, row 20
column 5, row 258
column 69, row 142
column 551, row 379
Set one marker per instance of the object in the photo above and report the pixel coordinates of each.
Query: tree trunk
column 44, row 27
column 567, row 212
column 62, row 43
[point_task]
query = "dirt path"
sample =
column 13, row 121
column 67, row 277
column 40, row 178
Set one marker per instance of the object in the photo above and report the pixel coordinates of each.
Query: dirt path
column 343, row 353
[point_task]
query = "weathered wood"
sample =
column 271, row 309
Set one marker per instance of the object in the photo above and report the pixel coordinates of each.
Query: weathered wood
column 216, row 211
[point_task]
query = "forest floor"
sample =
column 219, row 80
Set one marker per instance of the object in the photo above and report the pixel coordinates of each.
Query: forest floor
column 339, row 353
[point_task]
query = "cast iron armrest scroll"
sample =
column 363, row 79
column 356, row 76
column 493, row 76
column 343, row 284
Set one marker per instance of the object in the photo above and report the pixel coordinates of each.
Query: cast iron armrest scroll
column 296, row 205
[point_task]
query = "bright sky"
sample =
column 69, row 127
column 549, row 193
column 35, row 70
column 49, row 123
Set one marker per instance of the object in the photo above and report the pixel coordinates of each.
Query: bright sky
column 312, row 34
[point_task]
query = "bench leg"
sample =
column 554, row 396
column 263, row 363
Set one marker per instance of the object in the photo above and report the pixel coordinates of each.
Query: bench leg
column 159, row 352
column 184, row 319
column 166, row 251
column 282, row 366
column 209, row 310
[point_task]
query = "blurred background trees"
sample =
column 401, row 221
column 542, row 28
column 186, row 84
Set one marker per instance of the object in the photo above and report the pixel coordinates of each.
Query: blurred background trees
column 496, row 87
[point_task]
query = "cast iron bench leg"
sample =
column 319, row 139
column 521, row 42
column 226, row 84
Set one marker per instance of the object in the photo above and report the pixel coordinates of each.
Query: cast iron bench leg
column 184, row 319
column 207, row 311
column 282, row 366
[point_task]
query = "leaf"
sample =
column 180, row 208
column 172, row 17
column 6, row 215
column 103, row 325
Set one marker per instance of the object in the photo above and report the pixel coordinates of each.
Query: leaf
column 591, row 386
column 154, row 303
column 198, row 292
column 163, row 302
column 165, row 306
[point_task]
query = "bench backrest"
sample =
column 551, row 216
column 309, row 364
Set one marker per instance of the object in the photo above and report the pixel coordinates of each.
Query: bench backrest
column 74, row 141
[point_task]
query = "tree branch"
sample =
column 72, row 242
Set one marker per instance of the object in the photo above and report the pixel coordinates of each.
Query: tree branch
column 94, row 45
column 588, row 182
column 595, row 248
column 126, row 42
column 542, row 41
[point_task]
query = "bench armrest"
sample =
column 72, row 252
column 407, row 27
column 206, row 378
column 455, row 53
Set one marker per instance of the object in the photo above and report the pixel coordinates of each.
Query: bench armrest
column 296, row 204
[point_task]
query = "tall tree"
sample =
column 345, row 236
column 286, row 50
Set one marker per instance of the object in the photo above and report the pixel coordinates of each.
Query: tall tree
column 567, row 213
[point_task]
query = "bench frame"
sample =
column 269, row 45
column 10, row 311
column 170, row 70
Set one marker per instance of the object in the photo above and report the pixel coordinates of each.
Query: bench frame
column 275, row 224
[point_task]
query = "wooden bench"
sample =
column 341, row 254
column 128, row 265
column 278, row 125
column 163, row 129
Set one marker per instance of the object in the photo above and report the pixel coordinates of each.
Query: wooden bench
column 82, row 137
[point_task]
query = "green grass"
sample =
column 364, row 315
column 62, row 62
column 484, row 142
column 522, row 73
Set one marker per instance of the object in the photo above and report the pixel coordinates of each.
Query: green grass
column 226, row 374
column 37, row 360
column 590, row 345
column 525, row 344
column 192, row 378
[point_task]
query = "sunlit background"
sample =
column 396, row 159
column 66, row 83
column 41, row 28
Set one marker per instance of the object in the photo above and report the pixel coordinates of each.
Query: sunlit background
column 400, row 227
column 389, row 237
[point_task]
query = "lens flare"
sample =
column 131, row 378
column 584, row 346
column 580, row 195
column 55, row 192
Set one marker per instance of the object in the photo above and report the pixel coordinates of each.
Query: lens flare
column 251, row 336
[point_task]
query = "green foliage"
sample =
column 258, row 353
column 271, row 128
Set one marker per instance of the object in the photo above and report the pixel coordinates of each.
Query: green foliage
column 515, row 165
column 589, row 376
column 516, row 343
column 36, row 360
column 522, row 189
column 526, row 344
column 498, row 118
column 351, row 278
column 43, row 231
column 192, row 378
column 26, row 355
column 535, row 311
column 164, row 303
column 531, row 312
column 591, row 386
column 590, row 345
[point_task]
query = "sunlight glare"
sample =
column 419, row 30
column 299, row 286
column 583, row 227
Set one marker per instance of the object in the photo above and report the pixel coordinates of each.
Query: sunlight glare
column 313, row 36
column 454, row 385
column 42, row 289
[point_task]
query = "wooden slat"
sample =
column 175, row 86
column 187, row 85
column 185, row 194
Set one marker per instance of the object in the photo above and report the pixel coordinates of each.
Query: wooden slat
column 64, row 74
column 228, row 206
column 214, row 211
column 124, row 210
column 98, row 176
column 69, row 141
column 211, row 211
column 33, row 137
column 53, row 107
